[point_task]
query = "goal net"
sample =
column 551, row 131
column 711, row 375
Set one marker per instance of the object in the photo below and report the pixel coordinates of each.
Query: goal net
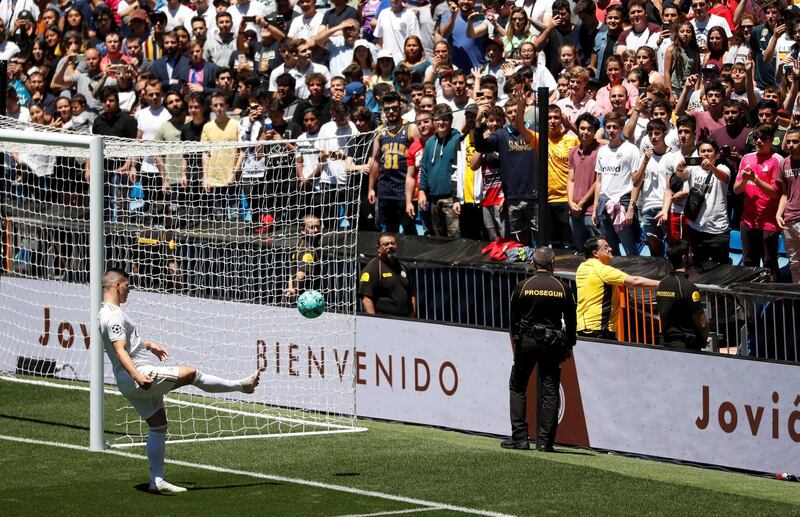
column 219, row 238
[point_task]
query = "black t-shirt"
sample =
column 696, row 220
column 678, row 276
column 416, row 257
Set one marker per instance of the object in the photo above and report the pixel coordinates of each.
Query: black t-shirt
column 191, row 132
column 332, row 18
column 322, row 109
column 389, row 285
column 543, row 299
column 679, row 308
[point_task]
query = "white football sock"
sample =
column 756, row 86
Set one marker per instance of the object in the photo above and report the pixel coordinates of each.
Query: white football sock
column 214, row 384
column 156, row 439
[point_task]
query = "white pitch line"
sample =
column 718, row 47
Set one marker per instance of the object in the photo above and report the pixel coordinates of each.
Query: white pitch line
column 334, row 428
column 395, row 512
column 432, row 505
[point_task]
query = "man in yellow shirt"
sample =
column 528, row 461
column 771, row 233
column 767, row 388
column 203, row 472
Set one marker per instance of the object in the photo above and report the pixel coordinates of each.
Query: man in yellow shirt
column 560, row 145
column 220, row 166
column 598, row 293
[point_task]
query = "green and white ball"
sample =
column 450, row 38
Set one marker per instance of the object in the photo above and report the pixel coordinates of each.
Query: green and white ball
column 311, row 304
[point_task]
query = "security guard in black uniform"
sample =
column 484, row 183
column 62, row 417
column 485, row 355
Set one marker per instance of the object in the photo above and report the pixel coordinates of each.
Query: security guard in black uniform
column 385, row 285
column 683, row 322
column 538, row 306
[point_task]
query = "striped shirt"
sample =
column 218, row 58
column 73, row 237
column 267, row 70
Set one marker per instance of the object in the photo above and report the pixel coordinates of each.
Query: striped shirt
column 598, row 296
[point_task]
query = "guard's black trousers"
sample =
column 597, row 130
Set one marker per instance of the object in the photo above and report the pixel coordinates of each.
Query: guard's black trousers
column 528, row 354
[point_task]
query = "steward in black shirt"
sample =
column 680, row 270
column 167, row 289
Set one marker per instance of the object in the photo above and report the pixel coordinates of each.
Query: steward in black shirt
column 385, row 285
column 538, row 306
column 683, row 322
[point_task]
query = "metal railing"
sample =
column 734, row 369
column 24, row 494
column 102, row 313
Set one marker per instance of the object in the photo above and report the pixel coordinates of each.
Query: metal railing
column 741, row 323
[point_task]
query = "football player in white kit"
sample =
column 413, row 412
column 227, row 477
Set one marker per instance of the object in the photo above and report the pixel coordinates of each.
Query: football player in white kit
column 145, row 384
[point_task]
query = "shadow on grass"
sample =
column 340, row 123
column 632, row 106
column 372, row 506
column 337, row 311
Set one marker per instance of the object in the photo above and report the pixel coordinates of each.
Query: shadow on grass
column 143, row 487
column 56, row 424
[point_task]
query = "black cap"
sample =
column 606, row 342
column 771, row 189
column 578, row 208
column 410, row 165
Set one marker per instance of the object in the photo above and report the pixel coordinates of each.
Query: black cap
column 26, row 15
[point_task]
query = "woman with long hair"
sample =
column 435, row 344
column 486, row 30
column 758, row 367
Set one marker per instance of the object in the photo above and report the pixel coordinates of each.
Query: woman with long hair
column 42, row 59
column 73, row 21
column 568, row 55
column 414, row 56
column 442, row 60
column 717, row 45
column 614, row 72
column 52, row 38
column 518, row 32
column 646, row 61
column 683, row 58
column 362, row 56
column 739, row 44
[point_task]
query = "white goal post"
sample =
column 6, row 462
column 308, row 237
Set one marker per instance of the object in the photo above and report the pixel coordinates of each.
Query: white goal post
column 93, row 146
column 215, row 279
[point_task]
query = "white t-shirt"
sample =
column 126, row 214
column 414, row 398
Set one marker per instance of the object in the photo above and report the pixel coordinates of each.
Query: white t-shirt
column 8, row 49
column 181, row 16
column 713, row 216
column 654, row 183
column 333, row 137
column 394, row 28
column 261, row 8
column 783, row 48
column 616, row 166
column 300, row 88
column 671, row 139
column 305, row 27
column 115, row 325
column 677, row 157
column 306, row 148
column 701, row 28
column 644, row 39
column 252, row 167
column 148, row 122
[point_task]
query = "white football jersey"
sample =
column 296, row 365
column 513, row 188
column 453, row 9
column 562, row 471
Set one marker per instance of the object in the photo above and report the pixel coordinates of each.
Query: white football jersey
column 114, row 326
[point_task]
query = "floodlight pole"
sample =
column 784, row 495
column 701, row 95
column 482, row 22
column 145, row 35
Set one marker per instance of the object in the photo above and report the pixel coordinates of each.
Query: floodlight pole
column 96, row 268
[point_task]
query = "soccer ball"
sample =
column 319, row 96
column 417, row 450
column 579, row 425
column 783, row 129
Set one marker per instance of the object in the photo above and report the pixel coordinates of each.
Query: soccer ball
column 311, row 304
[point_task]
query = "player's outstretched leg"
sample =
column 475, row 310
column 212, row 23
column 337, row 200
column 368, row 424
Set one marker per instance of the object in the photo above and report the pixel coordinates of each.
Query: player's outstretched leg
column 213, row 384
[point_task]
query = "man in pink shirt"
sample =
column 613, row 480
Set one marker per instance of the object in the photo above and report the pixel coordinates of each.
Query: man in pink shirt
column 577, row 102
column 758, row 174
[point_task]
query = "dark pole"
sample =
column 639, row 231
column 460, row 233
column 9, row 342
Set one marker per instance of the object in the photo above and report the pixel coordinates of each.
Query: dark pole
column 3, row 86
column 542, row 102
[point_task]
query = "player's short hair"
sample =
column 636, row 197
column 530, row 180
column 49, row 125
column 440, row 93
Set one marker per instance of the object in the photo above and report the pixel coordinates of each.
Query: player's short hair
column 114, row 274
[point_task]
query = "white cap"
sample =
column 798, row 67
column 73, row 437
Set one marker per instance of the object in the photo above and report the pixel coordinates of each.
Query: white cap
column 361, row 43
column 385, row 53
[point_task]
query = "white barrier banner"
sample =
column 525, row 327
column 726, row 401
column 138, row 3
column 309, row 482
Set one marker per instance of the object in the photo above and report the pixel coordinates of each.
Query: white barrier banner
column 693, row 407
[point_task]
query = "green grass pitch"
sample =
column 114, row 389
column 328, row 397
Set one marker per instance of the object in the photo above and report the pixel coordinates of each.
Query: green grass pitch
column 392, row 469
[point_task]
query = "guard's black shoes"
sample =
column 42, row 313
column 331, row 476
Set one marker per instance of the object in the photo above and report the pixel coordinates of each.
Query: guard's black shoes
column 545, row 448
column 515, row 444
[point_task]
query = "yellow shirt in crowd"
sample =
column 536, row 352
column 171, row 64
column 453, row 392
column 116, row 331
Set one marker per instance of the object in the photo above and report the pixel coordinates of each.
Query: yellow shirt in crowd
column 558, row 167
column 220, row 162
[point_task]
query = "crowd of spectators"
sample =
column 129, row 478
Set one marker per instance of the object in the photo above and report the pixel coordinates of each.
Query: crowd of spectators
column 667, row 120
